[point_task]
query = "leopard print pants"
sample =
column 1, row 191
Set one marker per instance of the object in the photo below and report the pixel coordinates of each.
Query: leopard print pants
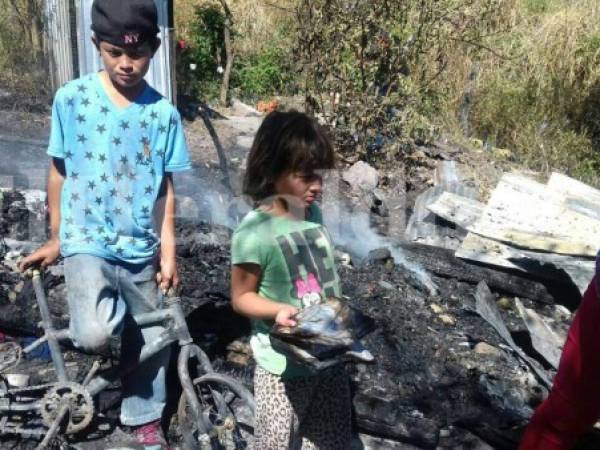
column 302, row 413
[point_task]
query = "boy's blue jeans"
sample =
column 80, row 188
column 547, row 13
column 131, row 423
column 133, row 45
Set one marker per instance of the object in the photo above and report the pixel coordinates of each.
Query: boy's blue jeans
column 103, row 296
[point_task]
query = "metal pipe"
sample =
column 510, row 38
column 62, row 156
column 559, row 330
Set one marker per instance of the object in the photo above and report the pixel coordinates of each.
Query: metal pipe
column 152, row 317
column 181, row 329
column 64, row 409
column 59, row 335
column 190, row 393
column 20, row 407
column 150, row 349
column 57, row 357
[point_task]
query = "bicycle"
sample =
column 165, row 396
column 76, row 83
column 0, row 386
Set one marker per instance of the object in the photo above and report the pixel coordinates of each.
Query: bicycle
column 215, row 411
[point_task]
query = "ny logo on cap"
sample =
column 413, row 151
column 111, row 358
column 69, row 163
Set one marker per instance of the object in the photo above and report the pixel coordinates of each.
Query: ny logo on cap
column 131, row 38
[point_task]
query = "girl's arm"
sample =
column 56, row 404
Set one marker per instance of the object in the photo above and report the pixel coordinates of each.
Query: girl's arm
column 246, row 301
column 168, row 275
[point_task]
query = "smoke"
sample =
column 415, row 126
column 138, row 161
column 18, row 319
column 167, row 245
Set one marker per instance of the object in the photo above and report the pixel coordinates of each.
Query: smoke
column 352, row 230
column 348, row 227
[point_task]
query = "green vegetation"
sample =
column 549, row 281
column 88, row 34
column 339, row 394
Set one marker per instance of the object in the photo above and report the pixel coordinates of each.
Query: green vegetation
column 262, row 70
column 22, row 71
column 520, row 75
column 541, row 99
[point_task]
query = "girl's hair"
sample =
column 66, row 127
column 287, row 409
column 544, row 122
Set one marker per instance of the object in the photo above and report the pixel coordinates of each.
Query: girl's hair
column 285, row 142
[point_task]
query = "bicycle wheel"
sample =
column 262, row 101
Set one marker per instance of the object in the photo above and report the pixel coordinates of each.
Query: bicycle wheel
column 227, row 406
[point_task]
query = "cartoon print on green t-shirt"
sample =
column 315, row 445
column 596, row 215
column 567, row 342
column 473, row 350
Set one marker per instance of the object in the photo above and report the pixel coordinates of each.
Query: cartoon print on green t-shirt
column 306, row 254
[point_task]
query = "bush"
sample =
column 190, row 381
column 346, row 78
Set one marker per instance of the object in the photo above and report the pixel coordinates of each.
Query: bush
column 205, row 50
column 371, row 67
column 263, row 74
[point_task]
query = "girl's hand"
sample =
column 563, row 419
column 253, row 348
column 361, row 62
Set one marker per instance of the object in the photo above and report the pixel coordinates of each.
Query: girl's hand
column 167, row 277
column 284, row 316
column 45, row 255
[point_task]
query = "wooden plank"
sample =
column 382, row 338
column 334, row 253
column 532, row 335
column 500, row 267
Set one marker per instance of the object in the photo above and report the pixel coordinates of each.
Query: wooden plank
column 569, row 186
column 454, row 208
column 578, row 196
column 525, row 213
column 442, row 262
column 544, row 265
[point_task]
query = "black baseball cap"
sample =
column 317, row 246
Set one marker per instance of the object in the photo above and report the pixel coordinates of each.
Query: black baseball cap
column 125, row 22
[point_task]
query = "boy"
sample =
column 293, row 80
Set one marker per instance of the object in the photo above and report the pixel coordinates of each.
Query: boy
column 114, row 143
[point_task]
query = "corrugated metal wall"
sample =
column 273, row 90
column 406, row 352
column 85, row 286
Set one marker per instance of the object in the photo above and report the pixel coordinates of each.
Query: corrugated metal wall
column 59, row 44
column 161, row 74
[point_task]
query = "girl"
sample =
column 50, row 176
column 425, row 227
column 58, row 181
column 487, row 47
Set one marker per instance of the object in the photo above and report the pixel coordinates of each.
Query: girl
column 282, row 260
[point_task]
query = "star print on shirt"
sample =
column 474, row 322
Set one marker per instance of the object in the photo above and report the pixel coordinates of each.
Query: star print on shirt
column 80, row 118
column 85, row 101
column 74, row 175
column 144, row 124
column 101, row 128
column 83, row 230
column 148, row 190
column 69, row 221
column 81, row 138
column 118, row 176
column 68, row 154
column 70, row 101
column 101, row 157
column 104, row 110
column 124, row 159
column 119, row 251
column 91, row 185
column 154, row 115
column 113, row 192
column 89, row 155
column 81, row 88
column 68, row 235
column 129, row 199
column 116, row 141
column 88, row 240
column 124, row 125
column 117, row 211
column 104, row 178
column 99, row 200
column 74, row 196
column 100, row 229
column 162, row 129
column 145, row 209
column 88, row 211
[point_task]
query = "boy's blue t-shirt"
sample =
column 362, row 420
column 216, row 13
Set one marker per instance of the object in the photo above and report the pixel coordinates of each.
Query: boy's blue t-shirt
column 115, row 161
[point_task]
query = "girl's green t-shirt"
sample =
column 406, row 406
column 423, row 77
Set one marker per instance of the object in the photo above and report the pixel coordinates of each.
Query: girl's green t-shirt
column 298, row 268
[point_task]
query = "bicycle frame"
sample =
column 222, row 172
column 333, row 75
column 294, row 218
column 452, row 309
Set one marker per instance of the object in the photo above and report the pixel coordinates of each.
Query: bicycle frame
column 176, row 331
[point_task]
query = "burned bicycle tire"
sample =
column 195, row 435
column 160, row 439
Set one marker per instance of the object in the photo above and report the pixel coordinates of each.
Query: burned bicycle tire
column 228, row 406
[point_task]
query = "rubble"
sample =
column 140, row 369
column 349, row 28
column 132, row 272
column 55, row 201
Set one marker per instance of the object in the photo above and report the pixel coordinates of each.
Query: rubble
column 458, row 366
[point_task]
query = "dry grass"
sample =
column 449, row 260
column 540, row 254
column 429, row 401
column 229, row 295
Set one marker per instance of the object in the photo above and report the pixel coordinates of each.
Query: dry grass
column 255, row 22
column 538, row 93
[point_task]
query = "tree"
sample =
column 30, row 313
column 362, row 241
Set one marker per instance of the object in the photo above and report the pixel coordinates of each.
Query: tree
column 229, row 54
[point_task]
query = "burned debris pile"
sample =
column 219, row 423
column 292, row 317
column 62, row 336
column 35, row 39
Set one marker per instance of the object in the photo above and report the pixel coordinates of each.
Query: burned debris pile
column 468, row 324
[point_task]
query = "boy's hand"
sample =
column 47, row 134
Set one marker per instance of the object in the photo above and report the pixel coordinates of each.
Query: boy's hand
column 167, row 277
column 45, row 255
column 284, row 316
